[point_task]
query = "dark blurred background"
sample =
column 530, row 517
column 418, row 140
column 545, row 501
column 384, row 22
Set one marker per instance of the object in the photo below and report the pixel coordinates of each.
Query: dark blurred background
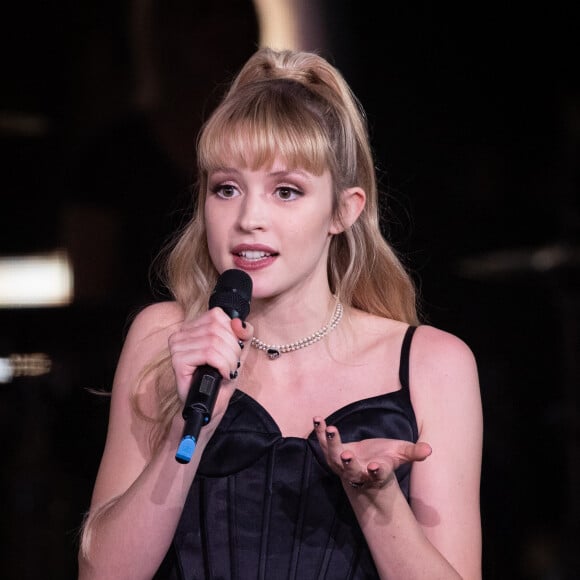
column 474, row 112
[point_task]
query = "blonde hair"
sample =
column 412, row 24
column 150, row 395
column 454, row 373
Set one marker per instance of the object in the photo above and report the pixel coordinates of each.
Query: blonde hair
column 295, row 106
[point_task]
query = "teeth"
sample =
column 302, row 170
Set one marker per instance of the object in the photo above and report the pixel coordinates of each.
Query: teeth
column 253, row 254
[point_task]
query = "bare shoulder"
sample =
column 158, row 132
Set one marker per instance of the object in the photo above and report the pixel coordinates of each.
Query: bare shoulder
column 444, row 379
column 436, row 351
column 146, row 340
column 156, row 318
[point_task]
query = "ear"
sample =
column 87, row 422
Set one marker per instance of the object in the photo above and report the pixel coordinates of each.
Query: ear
column 352, row 203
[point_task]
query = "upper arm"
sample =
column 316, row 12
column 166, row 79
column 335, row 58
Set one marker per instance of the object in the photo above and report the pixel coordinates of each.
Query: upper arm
column 126, row 450
column 445, row 487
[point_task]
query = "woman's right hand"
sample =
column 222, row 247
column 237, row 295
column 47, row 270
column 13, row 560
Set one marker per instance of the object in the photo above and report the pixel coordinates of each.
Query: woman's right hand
column 212, row 339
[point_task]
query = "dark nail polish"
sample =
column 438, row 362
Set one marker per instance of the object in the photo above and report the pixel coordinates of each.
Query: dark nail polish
column 329, row 435
column 317, row 423
column 233, row 375
column 241, row 343
column 346, row 461
column 244, row 324
column 239, row 363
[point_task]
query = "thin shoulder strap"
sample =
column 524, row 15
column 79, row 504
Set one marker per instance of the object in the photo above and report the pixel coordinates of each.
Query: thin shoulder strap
column 404, row 364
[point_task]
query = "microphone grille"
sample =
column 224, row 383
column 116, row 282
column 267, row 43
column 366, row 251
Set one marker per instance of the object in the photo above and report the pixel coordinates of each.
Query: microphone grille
column 233, row 293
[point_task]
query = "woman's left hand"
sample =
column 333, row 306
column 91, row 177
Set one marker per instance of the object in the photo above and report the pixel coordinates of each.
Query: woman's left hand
column 368, row 464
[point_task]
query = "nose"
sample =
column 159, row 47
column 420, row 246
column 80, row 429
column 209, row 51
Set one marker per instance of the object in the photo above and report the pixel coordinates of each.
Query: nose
column 253, row 212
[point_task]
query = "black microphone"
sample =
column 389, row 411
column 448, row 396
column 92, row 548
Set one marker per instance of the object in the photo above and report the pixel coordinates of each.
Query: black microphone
column 232, row 293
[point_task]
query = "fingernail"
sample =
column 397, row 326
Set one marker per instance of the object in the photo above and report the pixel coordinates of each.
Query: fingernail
column 346, row 461
column 239, row 363
column 243, row 324
column 316, row 424
column 329, row 434
column 241, row 343
column 373, row 471
column 233, row 375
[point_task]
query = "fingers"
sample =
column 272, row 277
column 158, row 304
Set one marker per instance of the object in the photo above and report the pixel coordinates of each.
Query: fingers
column 342, row 461
column 354, row 474
column 209, row 339
column 409, row 452
column 243, row 330
column 422, row 451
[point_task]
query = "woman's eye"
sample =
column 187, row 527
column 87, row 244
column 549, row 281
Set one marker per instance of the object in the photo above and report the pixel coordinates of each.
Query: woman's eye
column 225, row 191
column 288, row 193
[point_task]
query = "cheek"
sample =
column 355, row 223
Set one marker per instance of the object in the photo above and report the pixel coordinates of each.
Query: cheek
column 295, row 229
column 307, row 230
column 298, row 226
column 214, row 233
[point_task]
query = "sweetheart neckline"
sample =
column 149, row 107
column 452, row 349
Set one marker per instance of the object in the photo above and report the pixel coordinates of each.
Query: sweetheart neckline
column 330, row 419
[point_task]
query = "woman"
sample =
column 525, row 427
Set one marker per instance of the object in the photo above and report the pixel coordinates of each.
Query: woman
column 354, row 453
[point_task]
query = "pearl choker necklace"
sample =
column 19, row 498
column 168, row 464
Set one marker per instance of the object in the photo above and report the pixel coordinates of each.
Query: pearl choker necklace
column 275, row 350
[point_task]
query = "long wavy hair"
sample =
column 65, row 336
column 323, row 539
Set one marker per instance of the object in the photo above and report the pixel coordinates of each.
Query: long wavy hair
column 295, row 106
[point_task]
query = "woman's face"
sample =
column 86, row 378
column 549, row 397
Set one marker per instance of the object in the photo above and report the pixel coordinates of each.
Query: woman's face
column 275, row 223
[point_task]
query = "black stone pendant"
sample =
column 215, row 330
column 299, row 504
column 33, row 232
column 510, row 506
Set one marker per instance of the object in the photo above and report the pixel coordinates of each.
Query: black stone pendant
column 273, row 353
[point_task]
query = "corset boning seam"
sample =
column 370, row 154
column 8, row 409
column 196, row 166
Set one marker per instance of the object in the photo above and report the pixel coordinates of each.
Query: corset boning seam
column 266, row 517
column 233, row 527
column 299, row 533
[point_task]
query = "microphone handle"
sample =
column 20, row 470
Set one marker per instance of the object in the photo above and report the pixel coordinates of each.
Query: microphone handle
column 198, row 408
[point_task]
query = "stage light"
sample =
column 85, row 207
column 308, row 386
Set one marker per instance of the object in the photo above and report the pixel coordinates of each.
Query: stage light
column 42, row 280
column 24, row 365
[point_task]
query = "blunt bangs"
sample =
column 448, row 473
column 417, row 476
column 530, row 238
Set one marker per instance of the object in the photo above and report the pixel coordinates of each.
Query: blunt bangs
column 265, row 122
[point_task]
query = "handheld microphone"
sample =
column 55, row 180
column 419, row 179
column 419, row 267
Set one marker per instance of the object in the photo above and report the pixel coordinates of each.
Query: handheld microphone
column 232, row 293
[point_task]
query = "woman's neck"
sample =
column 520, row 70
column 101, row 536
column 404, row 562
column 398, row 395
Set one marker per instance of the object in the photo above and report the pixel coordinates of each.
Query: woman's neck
column 286, row 321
